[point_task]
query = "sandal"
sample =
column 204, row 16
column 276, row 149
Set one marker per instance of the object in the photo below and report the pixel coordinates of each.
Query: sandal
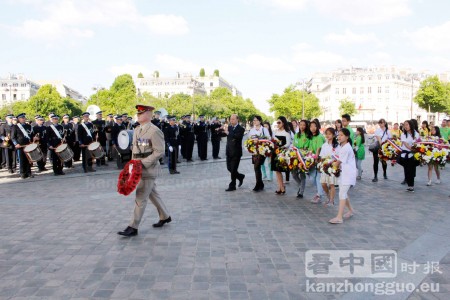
column 335, row 221
column 348, row 215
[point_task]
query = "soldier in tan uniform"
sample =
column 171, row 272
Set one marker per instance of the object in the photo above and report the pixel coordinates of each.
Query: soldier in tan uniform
column 148, row 147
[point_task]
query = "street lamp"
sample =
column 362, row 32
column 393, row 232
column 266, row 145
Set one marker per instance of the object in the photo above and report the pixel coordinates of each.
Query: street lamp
column 387, row 114
column 302, row 83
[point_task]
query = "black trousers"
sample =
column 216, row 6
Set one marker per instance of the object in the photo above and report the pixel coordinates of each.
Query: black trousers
column 76, row 151
column 232, row 167
column 215, row 148
column 188, row 147
column 173, row 157
column 41, row 163
column 57, row 163
column 183, row 147
column 202, row 146
column 376, row 159
column 87, row 158
column 10, row 158
column 258, row 161
column 409, row 167
column 24, row 166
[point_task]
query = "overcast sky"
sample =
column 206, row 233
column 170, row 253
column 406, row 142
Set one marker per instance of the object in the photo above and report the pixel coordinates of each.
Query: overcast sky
column 261, row 46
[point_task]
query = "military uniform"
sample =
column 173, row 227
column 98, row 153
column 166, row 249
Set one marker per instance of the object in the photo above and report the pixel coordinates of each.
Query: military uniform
column 188, row 139
column 148, row 147
column 22, row 134
column 55, row 134
column 100, row 136
column 201, row 132
column 172, row 139
column 41, row 130
column 70, row 136
column 216, row 137
column 85, row 137
column 9, row 152
column 76, row 145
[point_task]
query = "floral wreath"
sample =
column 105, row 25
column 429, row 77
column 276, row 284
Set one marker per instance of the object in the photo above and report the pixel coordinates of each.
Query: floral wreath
column 129, row 177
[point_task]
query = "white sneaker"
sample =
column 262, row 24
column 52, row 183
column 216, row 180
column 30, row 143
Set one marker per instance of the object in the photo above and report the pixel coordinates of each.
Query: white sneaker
column 438, row 181
column 429, row 183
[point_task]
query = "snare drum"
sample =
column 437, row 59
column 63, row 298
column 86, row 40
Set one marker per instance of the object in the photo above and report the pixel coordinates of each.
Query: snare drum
column 33, row 152
column 96, row 150
column 64, row 152
column 124, row 140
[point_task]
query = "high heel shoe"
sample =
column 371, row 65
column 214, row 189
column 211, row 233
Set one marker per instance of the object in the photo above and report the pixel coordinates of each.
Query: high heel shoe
column 278, row 192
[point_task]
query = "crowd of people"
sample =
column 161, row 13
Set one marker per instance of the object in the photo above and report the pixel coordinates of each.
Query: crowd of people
column 347, row 146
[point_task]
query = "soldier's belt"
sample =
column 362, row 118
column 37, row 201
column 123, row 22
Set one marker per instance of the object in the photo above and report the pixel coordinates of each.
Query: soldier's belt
column 142, row 155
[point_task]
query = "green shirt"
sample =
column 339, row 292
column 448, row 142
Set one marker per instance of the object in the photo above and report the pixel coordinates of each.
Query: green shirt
column 316, row 143
column 445, row 132
column 301, row 142
column 361, row 153
column 352, row 133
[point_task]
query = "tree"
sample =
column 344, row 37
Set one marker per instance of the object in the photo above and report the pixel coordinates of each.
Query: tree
column 202, row 72
column 347, row 107
column 140, row 75
column 156, row 74
column 290, row 104
column 433, row 95
column 216, row 73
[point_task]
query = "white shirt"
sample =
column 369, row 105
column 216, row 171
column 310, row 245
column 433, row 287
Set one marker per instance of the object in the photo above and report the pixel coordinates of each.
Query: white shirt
column 285, row 134
column 261, row 132
column 348, row 165
column 409, row 140
column 327, row 150
column 379, row 132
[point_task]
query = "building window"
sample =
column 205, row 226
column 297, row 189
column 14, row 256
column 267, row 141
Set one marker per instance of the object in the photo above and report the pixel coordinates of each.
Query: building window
column 386, row 90
column 337, row 91
column 379, row 90
column 354, row 90
column 22, row 97
column 344, row 78
column 354, row 78
column 3, row 96
column 387, row 76
column 361, row 90
column 317, row 87
column 379, row 77
column 211, row 84
column 14, row 96
column 23, row 84
column 370, row 77
column 362, row 78
column 4, row 84
column 369, row 90
column 15, row 84
column 344, row 91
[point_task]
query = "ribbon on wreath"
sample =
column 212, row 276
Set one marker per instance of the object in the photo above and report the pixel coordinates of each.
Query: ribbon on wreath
column 434, row 144
column 301, row 160
column 393, row 144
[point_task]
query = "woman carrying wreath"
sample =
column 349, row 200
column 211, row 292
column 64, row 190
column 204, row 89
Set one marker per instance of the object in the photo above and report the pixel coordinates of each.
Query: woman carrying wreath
column 258, row 132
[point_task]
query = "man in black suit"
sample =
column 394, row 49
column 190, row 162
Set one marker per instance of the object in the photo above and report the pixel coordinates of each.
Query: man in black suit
column 235, row 134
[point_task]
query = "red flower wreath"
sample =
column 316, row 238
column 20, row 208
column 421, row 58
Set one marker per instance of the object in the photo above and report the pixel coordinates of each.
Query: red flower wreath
column 128, row 181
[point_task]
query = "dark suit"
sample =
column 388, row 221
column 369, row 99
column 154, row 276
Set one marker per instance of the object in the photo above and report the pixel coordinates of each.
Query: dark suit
column 172, row 139
column 9, row 152
column 201, row 132
column 42, row 131
column 85, row 138
column 19, row 138
column 54, row 141
column 234, row 152
column 69, row 132
column 216, row 137
column 100, row 136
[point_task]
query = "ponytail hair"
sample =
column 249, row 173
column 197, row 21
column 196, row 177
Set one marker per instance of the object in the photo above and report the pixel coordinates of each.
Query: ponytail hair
column 334, row 142
column 346, row 132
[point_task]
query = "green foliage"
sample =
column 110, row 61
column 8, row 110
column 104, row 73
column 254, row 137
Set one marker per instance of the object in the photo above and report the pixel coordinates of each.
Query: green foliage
column 347, row 107
column 290, row 104
column 433, row 95
column 216, row 73
column 156, row 74
column 202, row 72
column 120, row 98
column 46, row 100
column 140, row 75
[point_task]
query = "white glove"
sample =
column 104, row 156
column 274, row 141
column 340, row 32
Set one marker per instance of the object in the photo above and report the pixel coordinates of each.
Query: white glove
column 179, row 147
column 170, row 148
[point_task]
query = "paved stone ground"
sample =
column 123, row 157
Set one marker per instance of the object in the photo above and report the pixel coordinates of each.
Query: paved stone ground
column 59, row 241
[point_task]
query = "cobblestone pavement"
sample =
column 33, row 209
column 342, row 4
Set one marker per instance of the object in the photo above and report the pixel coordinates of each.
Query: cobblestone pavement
column 59, row 241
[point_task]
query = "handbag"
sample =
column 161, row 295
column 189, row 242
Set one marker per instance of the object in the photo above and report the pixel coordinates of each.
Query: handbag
column 373, row 147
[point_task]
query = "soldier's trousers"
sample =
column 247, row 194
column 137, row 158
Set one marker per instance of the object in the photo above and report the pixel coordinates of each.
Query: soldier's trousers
column 24, row 164
column 87, row 158
column 10, row 158
column 215, row 147
column 76, row 151
column 56, row 162
column 41, row 163
column 146, row 190
column 202, row 147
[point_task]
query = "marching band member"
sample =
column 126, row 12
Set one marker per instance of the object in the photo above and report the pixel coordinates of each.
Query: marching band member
column 8, row 147
column 125, row 120
column 188, row 138
column 85, row 137
column 201, row 132
column 172, row 138
column 70, row 137
column 22, row 135
column 100, row 136
column 40, row 129
column 76, row 145
column 216, row 137
column 55, row 134
column 148, row 147
column 109, row 124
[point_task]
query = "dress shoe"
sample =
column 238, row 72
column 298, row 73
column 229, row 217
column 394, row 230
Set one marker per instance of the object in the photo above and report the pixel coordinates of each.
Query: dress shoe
column 241, row 180
column 24, row 176
column 230, row 189
column 190, row 160
column 11, row 171
column 43, row 169
column 128, row 232
column 91, row 169
column 178, row 161
column 218, row 157
column 299, row 196
column 174, row 172
column 162, row 222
